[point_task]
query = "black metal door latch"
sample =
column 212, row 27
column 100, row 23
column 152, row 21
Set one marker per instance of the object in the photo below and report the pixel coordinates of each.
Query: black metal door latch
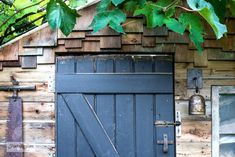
column 167, row 123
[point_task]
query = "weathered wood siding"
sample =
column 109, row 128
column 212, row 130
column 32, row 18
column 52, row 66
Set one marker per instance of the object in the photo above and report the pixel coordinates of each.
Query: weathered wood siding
column 32, row 61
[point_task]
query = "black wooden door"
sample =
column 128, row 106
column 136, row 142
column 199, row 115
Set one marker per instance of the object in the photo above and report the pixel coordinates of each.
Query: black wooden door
column 107, row 106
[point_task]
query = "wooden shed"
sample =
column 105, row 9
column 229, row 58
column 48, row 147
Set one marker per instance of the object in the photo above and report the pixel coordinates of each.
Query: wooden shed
column 104, row 92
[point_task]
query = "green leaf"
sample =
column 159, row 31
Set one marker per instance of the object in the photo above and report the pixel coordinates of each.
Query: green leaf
column 170, row 12
column 156, row 15
column 231, row 5
column 116, row 26
column 43, row 3
column 103, row 5
column 206, row 10
column 19, row 4
column 219, row 7
column 113, row 18
column 59, row 15
column 130, row 6
column 141, row 2
column 191, row 21
column 174, row 25
column 197, row 39
column 77, row 3
column 164, row 3
column 117, row 2
column 158, row 19
column 100, row 21
column 153, row 15
column 195, row 27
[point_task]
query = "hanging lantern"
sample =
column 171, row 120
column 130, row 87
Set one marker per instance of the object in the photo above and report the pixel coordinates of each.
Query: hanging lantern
column 197, row 102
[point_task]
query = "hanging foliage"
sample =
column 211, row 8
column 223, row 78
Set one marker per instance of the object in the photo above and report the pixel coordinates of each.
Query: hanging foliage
column 177, row 15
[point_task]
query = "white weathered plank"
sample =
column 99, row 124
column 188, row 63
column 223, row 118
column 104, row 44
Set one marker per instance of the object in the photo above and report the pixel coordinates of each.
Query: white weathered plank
column 193, row 149
column 31, row 111
column 41, row 93
column 41, row 74
column 33, row 150
column 34, row 133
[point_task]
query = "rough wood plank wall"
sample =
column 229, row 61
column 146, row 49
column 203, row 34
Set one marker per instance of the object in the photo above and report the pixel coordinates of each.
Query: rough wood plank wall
column 217, row 63
column 38, row 110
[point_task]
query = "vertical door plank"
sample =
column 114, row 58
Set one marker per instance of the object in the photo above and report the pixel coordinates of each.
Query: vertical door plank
column 144, row 114
column 125, row 127
column 164, row 107
column 105, row 112
column 163, row 65
column 123, row 64
column 125, row 134
column 165, row 112
column 66, row 127
column 144, row 126
column 105, row 103
column 83, row 147
column 66, row 131
column 143, row 64
column 65, row 66
column 90, row 125
column 104, row 65
column 84, row 65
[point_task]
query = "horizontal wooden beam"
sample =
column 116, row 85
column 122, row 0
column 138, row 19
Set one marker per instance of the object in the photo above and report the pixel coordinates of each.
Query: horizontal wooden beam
column 114, row 83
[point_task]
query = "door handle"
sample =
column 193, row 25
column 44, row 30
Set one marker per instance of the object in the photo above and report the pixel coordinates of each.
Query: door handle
column 165, row 142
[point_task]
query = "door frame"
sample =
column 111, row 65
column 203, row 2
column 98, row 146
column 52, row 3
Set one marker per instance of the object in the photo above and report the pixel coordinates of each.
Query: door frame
column 216, row 92
column 172, row 55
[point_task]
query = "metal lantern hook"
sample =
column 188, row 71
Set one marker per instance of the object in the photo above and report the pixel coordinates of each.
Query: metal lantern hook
column 196, row 102
column 196, row 85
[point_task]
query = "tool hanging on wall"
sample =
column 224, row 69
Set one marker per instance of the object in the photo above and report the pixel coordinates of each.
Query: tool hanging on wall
column 14, row 136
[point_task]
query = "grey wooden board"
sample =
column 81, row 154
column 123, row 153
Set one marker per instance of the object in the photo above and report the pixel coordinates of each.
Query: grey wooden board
column 143, row 65
column 163, row 65
column 144, row 115
column 165, row 112
column 84, row 64
column 144, row 126
column 29, row 62
column 105, row 107
column 125, row 126
column 90, row 125
column 83, row 147
column 65, row 65
column 66, row 130
column 108, row 83
column 125, row 115
column 124, row 65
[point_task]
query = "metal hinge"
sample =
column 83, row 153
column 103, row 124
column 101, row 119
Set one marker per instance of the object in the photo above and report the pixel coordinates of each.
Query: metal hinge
column 178, row 128
column 51, row 83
